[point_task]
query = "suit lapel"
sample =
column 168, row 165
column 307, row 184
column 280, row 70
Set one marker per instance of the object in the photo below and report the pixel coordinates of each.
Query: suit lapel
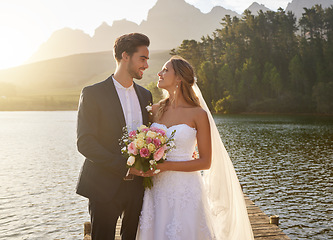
column 115, row 102
column 143, row 104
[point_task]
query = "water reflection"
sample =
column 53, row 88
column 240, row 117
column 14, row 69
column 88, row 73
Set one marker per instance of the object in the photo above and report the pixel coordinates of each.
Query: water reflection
column 283, row 162
column 285, row 165
column 39, row 166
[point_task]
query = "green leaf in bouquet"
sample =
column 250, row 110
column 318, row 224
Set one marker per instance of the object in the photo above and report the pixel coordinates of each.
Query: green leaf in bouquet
column 145, row 167
column 147, row 182
column 138, row 164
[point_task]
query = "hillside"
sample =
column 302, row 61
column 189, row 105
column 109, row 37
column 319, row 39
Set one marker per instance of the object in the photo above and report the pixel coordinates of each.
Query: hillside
column 168, row 23
column 69, row 74
column 74, row 59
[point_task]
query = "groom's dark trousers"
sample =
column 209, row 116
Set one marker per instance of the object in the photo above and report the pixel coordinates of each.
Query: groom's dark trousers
column 99, row 128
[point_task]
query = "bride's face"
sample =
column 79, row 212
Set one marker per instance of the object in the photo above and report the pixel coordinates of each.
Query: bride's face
column 167, row 77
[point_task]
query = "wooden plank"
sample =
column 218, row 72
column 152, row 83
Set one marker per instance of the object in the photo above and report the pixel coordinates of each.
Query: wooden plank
column 279, row 237
column 262, row 229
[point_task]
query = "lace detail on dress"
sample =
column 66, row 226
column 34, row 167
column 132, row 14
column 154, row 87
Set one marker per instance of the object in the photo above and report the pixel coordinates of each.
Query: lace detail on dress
column 173, row 229
column 176, row 206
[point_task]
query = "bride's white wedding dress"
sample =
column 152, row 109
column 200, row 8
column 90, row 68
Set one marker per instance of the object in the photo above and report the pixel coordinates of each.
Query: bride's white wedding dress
column 187, row 206
column 176, row 206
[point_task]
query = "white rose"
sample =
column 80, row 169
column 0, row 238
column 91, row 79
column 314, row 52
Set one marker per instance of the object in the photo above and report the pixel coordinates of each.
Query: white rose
column 130, row 160
column 151, row 147
column 141, row 135
column 142, row 127
column 151, row 134
column 163, row 139
column 139, row 143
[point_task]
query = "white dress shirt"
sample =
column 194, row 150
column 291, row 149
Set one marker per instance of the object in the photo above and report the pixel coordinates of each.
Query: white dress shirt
column 130, row 105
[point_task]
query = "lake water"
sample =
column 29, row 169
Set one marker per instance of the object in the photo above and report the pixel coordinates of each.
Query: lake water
column 283, row 162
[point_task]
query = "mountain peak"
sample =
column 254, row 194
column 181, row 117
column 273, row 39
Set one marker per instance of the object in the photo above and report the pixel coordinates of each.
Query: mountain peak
column 102, row 26
column 297, row 6
column 217, row 8
column 170, row 8
column 169, row 22
column 255, row 4
column 256, row 7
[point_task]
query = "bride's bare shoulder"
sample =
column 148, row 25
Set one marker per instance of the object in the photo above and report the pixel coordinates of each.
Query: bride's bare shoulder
column 200, row 116
column 199, row 112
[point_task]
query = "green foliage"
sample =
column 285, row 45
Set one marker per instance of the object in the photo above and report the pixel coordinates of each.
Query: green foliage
column 223, row 105
column 260, row 64
column 298, row 80
column 323, row 95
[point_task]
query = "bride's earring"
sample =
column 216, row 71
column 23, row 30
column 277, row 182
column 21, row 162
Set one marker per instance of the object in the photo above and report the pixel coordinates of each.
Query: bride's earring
column 176, row 89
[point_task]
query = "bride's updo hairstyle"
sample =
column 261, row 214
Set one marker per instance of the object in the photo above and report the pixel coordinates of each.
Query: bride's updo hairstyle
column 185, row 72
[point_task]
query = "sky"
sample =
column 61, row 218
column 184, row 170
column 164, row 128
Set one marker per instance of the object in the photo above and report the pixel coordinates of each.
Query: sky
column 25, row 24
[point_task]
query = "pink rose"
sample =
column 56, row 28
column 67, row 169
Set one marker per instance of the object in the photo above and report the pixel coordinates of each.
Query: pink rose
column 159, row 154
column 144, row 152
column 157, row 142
column 132, row 134
column 154, row 129
column 148, row 140
column 145, row 130
column 132, row 149
column 161, row 131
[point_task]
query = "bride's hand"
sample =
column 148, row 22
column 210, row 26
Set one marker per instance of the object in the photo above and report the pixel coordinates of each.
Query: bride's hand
column 150, row 173
column 134, row 171
column 162, row 167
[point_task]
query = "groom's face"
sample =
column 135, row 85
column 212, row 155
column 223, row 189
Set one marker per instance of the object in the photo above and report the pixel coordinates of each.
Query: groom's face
column 138, row 62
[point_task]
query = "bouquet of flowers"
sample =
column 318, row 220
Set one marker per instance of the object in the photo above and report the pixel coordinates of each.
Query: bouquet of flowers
column 145, row 147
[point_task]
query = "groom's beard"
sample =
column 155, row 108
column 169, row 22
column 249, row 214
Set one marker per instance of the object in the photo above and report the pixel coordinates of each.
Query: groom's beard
column 135, row 73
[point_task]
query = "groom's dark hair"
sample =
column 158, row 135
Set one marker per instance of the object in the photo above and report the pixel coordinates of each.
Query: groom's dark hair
column 129, row 43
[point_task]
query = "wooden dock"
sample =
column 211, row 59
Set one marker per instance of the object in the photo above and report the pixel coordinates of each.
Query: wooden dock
column 260, row 222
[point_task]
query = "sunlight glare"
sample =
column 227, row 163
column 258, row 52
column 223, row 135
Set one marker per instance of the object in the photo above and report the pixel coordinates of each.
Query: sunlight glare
column 20, row 29
column 13, row 50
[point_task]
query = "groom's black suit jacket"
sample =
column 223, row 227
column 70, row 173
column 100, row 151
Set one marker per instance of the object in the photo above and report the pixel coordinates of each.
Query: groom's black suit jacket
column 99, row 128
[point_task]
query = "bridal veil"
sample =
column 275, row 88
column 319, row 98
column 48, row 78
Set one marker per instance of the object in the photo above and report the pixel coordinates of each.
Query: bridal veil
column 226, row 200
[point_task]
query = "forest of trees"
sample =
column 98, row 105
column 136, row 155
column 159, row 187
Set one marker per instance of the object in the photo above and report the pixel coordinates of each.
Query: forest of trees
column 267, row 63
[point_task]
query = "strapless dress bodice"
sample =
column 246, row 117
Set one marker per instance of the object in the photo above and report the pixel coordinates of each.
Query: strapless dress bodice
column 184, row 140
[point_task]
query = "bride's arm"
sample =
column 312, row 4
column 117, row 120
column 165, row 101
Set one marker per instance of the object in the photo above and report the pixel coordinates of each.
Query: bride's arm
column 204, row 147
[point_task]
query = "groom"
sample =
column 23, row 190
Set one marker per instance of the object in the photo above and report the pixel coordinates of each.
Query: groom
column 104, row 109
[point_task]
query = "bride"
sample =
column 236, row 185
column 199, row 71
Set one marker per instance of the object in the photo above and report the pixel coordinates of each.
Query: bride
column 186, row 203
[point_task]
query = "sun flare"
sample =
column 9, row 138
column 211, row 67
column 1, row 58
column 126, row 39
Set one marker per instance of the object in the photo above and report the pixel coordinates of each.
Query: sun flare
column 13, row 50
column 20, row 34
